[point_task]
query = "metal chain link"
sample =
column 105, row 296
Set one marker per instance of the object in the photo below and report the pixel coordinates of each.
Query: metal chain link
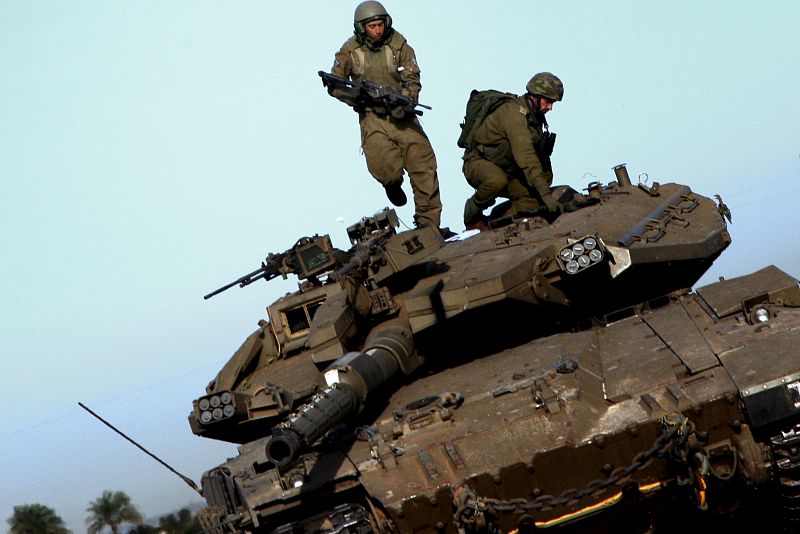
column 677, row 430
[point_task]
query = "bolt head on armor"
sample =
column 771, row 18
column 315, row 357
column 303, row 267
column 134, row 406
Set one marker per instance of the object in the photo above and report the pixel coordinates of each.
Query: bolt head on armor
column 546, row 84
column 367, row 12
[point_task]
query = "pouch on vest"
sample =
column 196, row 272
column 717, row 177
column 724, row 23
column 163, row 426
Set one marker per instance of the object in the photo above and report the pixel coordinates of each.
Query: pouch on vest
column 545, row 146
column 479, row 106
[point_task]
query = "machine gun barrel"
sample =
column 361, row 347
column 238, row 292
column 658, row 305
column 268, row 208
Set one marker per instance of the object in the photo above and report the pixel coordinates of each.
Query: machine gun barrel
column 308, row 258
column 362, row 253
column 247, row 279
column 358, row 260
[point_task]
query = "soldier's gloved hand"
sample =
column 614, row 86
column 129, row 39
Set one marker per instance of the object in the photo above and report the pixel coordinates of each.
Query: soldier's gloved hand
column 553, row 206
column 569, row 207
column 399, row 112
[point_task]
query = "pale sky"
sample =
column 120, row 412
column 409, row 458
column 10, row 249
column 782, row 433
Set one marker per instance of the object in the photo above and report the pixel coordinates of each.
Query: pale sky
column 152, row 151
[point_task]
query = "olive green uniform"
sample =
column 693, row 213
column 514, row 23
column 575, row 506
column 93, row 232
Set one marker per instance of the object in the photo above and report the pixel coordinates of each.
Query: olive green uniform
column 390, row 144
column 508, row 160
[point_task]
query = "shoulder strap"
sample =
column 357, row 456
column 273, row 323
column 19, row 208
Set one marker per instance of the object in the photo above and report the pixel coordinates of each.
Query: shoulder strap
column 396, row 41
column 352, row 43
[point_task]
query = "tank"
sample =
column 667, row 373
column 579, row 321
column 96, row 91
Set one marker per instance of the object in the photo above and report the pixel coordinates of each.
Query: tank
column 551, row 373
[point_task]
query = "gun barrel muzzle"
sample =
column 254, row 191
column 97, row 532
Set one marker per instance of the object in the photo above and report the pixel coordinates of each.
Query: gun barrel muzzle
column 310, row 423
column 351, row 380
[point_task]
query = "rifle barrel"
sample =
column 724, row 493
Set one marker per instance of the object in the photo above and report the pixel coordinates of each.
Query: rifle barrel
column 332, row 78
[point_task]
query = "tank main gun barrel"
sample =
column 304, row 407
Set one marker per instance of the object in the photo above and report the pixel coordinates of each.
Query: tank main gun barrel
column 310, row 423
column 350, row 380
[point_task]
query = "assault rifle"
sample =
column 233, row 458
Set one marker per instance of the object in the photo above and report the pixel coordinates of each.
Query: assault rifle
column 309, row 257
column 369, row 94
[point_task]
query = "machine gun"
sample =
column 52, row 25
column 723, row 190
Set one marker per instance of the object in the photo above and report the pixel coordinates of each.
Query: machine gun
column 367, row 237
column 369, row 94
column 308, row 258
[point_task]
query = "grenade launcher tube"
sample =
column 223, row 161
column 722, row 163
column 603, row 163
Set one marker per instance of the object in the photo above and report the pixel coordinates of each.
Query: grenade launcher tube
column 350, row 380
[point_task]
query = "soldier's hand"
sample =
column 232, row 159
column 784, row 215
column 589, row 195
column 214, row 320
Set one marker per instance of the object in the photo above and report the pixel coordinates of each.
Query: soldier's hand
column 402, row 112
column 399, row 112
column 553, row 206
column 578, row 202
column 569, row 207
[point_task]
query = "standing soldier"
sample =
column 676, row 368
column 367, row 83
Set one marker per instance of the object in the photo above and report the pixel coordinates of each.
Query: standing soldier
column 392, row 139
column 508, row 148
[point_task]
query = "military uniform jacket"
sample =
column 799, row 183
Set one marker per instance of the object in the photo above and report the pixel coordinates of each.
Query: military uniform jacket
column 393, row 64
column 508, row 137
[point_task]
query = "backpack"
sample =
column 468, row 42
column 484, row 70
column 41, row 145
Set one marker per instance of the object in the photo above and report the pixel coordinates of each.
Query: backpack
column 479, row 106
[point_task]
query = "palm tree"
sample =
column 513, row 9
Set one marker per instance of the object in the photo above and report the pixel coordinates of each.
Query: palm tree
column 36, row 519
column 111, row 509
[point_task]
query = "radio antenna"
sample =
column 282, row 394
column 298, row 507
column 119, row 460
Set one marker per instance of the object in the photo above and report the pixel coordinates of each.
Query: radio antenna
column 186, row 479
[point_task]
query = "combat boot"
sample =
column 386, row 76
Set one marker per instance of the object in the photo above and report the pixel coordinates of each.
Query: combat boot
column 447, row 233
column 396, row 195
column 474, row 219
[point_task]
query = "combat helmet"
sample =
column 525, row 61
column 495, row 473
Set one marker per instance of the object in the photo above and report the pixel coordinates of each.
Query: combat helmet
column 367, row 12
column 546, row 84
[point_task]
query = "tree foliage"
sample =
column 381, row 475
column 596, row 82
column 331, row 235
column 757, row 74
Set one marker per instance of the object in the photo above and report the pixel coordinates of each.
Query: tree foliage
column 36, row 519
column 182, row 522
column 111, row 509
column 143, row 529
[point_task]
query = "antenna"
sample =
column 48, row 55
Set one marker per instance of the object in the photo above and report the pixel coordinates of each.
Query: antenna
column 156, row 458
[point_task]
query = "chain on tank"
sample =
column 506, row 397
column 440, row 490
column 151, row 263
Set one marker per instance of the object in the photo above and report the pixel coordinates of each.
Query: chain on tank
column 471, row 506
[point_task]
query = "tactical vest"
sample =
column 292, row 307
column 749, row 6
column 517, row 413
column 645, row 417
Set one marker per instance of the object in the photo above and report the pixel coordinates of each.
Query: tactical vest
column 380, row 65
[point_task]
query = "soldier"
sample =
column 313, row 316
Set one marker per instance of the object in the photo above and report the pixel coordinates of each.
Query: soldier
column 508, row 153
column 392, row 139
